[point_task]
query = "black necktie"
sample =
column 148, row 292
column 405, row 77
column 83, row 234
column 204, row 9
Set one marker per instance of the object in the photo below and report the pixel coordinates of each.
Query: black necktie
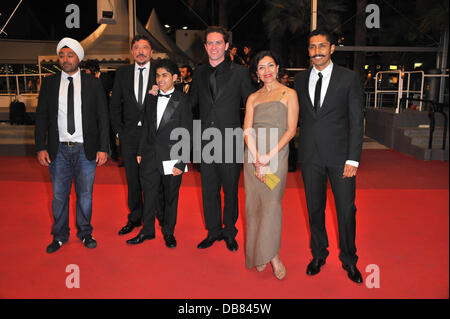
column 212, row 83
column 141, row 86
column 317, row 92
column 70, row 108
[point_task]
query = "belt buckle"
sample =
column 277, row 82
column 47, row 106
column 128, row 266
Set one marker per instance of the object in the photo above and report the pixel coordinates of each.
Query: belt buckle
column 70, row 144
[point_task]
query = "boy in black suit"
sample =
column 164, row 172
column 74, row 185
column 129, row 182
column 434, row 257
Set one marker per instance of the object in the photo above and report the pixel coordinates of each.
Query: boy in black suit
column 164, row 113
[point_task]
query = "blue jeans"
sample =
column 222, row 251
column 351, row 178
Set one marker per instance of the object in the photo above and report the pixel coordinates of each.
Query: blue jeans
column 71, row 164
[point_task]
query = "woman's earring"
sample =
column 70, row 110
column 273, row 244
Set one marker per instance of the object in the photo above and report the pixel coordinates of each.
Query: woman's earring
column 259, row 80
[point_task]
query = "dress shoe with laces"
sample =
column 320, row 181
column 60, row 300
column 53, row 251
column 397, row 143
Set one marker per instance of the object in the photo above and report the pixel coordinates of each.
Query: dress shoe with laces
column 353, row 273
column 54, row 246
column 139, row 239
column 208, row 242
column 232, row 245
column 89, row 242
column 170, row 240
column 314, row 266
column 128, row 228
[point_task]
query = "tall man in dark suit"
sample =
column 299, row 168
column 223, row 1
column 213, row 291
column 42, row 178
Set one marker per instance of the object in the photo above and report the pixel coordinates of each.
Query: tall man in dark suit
column 129, row 93
column 218, row 88
column 71, row 138
column 331, row 135
column 166, row 114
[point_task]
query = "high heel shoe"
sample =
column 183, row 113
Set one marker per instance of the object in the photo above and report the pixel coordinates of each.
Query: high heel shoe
column 261, row 268
column 279, row 271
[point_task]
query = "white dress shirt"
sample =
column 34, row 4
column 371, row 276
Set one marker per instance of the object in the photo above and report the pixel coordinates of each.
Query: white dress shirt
column 64, row 136
column 314, row 76
column 161, row 106
column 145, row 73
column 326, row 75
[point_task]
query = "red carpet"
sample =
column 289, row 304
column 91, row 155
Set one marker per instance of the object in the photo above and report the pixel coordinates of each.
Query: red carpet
column 402, row 227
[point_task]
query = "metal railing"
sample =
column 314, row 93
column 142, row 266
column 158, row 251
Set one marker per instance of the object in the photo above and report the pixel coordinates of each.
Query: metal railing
column 435, row 107
column 18, row 84
column 401, row 91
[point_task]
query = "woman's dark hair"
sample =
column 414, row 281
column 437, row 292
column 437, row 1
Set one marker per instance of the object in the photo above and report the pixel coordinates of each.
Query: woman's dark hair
column 259, row 56
column 167, row 64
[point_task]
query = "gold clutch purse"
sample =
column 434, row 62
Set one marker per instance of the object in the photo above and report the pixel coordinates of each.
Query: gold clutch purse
column 271, row 179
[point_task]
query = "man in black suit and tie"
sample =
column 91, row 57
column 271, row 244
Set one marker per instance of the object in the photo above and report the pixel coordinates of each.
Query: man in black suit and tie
column 218, row 88
column 165, row 114
column 72, row 138
column 129, row 93
column 331, row 135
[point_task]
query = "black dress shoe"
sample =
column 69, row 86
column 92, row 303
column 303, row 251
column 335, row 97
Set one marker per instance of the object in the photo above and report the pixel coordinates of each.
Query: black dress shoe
column 353, row 273
column 314, row 266
column 170, row 241
column 89, row 242
column 128, row 228
column 54, row 246
column 232, row 245
column 208, row 241
column 139, row 239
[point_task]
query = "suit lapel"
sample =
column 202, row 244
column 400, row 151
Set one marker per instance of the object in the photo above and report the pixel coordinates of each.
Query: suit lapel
column 130, row 82
column 170, row 109
column 309, row 105
column 150, row 79
column 84, row 90
column 206, row 80
column 152, row 105
column 56, row 85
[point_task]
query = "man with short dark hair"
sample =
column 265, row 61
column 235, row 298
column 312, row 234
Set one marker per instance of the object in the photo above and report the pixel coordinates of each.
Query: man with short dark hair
column 185, row 82
column 71, row 138
column 129, row 93
column 218, row 88
column 330, row 145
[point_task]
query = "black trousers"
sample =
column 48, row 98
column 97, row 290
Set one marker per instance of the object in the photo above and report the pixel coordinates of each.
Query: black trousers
column 315, row 177
column 215, row 177
column 129, row 146
column 153, row 182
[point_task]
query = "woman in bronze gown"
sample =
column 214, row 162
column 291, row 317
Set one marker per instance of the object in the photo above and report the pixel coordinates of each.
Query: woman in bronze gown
column 270, row 123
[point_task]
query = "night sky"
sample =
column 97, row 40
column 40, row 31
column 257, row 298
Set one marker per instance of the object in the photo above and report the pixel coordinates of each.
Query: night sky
column 45, row 20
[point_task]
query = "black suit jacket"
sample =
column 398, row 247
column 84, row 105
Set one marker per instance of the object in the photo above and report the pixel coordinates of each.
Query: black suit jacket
column 124, row 108
column 94, row 114
column 155, row 144
column 336, row 130
column 224, row 111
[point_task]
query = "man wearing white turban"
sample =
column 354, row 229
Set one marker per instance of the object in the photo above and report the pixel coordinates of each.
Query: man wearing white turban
column 71, row 138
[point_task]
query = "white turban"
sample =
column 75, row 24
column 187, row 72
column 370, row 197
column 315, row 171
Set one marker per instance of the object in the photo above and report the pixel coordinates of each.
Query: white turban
column 72, row 44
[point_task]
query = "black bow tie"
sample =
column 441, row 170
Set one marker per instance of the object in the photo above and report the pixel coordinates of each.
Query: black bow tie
column 165, row 95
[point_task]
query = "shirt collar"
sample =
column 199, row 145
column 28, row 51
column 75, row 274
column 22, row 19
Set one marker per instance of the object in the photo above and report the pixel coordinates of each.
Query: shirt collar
column 325, row 72
column 219, row 67
column 64, row 75
column 168, row 92
column 146, row 66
